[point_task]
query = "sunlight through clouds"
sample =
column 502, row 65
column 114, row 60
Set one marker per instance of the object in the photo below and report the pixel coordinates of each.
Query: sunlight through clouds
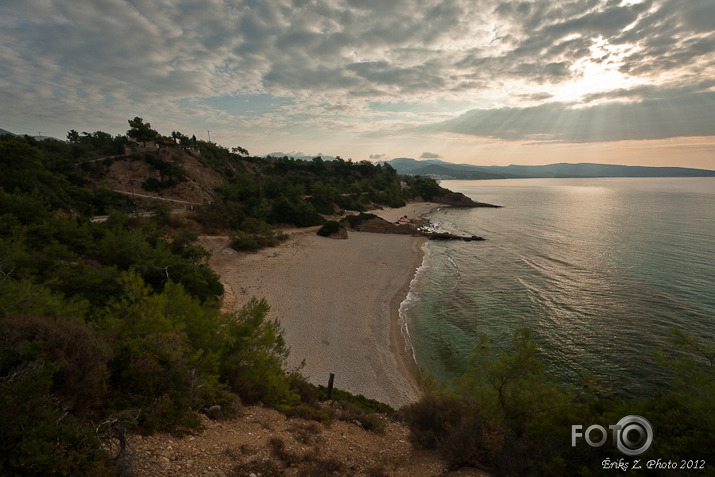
column 319, row 69
column 598, row 73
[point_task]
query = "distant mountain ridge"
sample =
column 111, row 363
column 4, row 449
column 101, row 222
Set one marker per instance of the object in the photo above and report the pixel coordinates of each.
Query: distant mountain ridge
column 3, row 132
column 447, row 170
column 301, row 156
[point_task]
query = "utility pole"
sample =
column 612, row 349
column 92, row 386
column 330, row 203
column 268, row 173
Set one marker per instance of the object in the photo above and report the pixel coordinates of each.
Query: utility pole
column 209, row 133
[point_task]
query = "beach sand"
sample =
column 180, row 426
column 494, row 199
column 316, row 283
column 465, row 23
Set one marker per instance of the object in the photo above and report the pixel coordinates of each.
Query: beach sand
column 337, row 301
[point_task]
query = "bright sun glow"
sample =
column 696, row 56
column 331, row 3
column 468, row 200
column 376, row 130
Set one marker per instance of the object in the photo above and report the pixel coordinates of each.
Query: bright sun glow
column 598, row 73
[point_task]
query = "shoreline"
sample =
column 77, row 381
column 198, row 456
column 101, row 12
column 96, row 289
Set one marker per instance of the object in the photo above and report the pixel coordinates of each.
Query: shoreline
column 403, row 349
column 338, row 303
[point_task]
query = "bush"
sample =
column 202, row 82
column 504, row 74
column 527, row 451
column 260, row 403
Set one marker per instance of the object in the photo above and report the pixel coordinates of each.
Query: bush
column 244, row 241
column 329, row 228
column 255, row 234
column 309, row 413
column 359, row 400
column 152, row 374
column 308, row 393
column 253, row 353
column 153, row 184
column 369, row 420
column 355, row 220
column 74, row 351
column 310, row 463
column 509, row 414
column 300, row 213
column 285, row 455
column 37, row 435
column 454, row 426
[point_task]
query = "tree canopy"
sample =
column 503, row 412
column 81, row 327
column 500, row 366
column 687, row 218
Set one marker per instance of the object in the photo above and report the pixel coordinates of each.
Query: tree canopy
column 141, row 131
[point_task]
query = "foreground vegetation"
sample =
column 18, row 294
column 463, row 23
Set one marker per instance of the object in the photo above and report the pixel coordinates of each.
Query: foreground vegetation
column 506, row 414
column 102, row 322
column 120, row 321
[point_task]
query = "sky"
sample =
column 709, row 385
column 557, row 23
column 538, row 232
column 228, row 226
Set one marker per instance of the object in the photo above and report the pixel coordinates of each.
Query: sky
column 468, row 81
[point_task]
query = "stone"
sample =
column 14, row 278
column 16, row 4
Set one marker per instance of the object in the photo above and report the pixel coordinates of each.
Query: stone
column 164, row 462
column 214, row 412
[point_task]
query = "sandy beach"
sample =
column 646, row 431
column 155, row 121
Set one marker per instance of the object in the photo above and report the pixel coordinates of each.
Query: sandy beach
column 337, row 301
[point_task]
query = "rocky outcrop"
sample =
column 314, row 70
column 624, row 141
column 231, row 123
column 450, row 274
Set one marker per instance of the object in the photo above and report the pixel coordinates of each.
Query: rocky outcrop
column 446, row 236
column 382, row 226
column 457, row 199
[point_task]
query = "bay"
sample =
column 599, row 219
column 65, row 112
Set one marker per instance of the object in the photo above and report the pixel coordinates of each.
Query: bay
column 599, row 269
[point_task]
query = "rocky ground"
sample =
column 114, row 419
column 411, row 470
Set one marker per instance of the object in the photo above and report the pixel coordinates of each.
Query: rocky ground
column 263, row 442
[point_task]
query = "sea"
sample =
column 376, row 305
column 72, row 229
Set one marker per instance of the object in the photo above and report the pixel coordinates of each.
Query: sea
column 600, row 270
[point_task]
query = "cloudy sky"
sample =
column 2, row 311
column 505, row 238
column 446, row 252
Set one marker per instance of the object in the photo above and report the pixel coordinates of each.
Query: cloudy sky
column 474, row 81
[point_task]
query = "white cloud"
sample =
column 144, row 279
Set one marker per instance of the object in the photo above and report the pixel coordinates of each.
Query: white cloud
column 81, row 64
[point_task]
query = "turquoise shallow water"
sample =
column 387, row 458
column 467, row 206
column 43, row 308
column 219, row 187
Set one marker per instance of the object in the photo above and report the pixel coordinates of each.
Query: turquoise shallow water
column 599, row 269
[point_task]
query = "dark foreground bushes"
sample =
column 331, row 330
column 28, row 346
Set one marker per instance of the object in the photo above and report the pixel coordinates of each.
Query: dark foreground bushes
column 506, row 414
column 39, row 435
column 163, row 356
column 455, row 426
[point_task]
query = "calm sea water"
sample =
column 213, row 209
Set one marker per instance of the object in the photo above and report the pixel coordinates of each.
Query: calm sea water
column 599, row 269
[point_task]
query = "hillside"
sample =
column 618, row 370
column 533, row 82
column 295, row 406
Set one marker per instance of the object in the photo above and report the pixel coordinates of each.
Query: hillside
column 443, row 170
column 446, row 170
column 116, row 325
column 265, row 442
column 135, row 175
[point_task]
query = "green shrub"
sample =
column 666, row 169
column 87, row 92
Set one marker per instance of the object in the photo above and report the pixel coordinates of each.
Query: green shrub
column 244, row 241
column 308, row 412
column 38, row 436
column 253, row 354
column 359, row 400
column 73, row 350
column 506, row 413
column 263, row 234
column 307, row 392
column 300, row 213
column 355, row 220
column 454, row 426
column 350, row 203
column 151, row 373
column 152, row 184
column 329, row 228
column 168, row 412
column 370, row 420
